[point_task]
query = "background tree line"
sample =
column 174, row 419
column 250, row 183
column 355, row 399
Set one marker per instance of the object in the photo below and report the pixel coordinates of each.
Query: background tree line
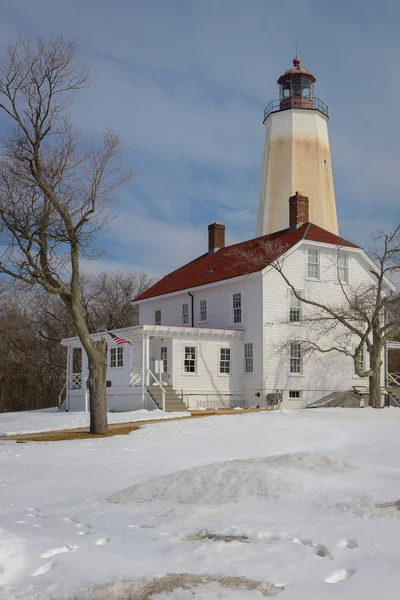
column 32, row 323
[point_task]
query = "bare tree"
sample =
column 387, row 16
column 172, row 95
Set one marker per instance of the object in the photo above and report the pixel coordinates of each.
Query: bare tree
column 107, row 299
column 56, row 192
column 365, row 317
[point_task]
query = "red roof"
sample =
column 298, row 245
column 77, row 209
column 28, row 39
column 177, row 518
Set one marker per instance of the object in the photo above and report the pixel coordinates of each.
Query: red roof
column 222, row 265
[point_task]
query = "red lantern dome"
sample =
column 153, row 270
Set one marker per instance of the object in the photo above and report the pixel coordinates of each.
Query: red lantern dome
column 296, row 87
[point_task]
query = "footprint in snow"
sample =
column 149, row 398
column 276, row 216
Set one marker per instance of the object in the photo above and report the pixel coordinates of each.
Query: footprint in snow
column 319, row 549
column 340, row 575
column 70, row 520
column 83, row 529
column 102, row 541
column 351, row 544
column 59, row 550
column 44, row 568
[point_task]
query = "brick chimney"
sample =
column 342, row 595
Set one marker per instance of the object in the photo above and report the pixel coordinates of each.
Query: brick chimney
column 298, row 210
column 216, row 237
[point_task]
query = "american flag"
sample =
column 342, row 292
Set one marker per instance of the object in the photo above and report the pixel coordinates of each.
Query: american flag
column 118, row 339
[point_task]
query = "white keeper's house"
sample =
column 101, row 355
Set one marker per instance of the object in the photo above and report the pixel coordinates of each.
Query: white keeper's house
column 211, row 333
column 216, row 334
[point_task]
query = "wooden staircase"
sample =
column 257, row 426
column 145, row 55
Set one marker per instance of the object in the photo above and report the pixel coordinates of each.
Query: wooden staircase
column 173, row 401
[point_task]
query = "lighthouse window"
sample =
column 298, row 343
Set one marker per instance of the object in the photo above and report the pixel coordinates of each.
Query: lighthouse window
column 296, row 86
column 325, row 166
column 306, row 84
column 286, row 88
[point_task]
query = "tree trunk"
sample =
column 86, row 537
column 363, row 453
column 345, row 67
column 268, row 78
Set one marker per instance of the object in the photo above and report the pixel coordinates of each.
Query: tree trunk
column 375, row 389
column 97, row 363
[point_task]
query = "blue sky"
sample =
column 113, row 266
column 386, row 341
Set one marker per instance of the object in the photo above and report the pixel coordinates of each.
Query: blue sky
column 185, row 82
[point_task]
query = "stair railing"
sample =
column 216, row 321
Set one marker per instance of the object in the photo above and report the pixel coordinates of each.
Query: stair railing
column 62, row 403
column 160, row 384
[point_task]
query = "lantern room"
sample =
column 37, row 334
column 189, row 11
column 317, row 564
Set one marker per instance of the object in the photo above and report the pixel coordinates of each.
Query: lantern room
column 296, row 87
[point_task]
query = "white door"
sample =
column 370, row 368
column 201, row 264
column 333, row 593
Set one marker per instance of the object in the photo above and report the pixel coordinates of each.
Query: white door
column 164, row 363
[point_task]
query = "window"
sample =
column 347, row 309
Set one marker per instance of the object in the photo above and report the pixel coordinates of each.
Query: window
column 295, row 357
column 203, row 311
column 294, row 394
column 189, row 363
column 237, row 308
column 185, row 314
column 295, row 308
column 325, row 166
column 361, row 360
column 157, row 317
column 164, row 358
column 248, row 358
column 116, row 357
column 313, row 263
column 343, row 267
column 224, row 360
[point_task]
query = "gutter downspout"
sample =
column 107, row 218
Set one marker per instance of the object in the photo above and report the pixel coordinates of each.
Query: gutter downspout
column 192, row 297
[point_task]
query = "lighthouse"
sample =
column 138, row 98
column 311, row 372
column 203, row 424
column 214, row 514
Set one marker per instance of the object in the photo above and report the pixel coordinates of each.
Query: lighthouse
column 296, row 155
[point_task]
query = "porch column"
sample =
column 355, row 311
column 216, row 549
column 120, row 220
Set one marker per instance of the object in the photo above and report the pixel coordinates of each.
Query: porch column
column 144, row 372
column 147, row 359
column 84, row 380
column 68, row 382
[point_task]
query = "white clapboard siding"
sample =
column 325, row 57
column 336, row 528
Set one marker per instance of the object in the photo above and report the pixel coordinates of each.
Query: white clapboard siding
column 322, row 373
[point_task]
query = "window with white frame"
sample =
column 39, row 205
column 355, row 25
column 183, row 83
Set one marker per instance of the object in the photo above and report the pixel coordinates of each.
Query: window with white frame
column 361, row 360
column 116, row 357
column 164, row 358
column 185, row 314
column 237, row 307
column 343, row 267
column 225, row 361
column 313, row 263
column 295, row 357
column 295, row 308
column 294, row 394
column 248, row 358
column 203, row 311
column 157, row 317
column 189, row 362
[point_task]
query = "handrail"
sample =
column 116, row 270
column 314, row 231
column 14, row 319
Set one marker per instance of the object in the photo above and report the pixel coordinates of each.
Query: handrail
column 159, row 383
column 304, row 104
column 61, row 404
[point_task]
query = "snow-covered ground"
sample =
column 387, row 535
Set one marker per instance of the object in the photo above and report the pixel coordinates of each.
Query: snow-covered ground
column 50, row 419
column 241, row 507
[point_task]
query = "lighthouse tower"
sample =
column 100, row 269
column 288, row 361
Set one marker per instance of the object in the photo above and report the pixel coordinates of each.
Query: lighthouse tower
column 296, row 155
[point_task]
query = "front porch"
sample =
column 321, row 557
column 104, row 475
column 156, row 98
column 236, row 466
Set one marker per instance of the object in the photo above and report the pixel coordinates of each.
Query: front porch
column 149, row 371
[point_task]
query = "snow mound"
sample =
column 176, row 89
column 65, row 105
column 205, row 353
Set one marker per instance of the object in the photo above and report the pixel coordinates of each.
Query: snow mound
column 309, row 460
column 181, row 586
column 11, row 557
column 218, row 483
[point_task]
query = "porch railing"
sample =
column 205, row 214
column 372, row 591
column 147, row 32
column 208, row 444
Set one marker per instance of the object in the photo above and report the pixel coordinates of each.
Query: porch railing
column 394, row 380
column 150, row 372
column 135, row 378
column 76, row 381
